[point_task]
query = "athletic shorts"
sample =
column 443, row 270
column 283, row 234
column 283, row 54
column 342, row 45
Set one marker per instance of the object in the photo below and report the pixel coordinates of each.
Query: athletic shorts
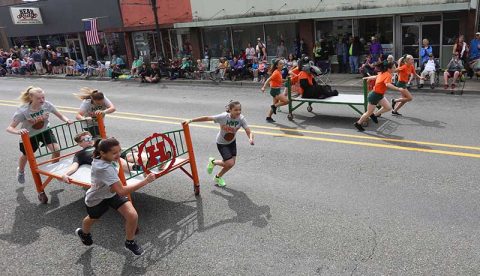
column 46, row 138
column 275, row 92
column 228, row 151
column 114, row 202
column 401, row 84
column 374, row 98
column 451, row 74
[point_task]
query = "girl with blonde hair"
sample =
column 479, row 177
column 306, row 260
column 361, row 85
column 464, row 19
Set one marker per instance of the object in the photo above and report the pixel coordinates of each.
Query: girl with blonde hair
column 33, row 116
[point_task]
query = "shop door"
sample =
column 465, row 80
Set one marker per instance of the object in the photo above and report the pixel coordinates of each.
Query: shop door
column 414, row 33
column 74, row 51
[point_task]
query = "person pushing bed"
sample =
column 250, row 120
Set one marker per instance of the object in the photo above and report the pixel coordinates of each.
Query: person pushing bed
column 94, row 102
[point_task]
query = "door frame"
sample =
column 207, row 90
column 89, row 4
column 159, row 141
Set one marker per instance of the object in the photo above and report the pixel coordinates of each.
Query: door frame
column 420, row 34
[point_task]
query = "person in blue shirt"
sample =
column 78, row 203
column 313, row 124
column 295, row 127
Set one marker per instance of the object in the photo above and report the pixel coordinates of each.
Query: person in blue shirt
column 425, row 51
column 475, row 47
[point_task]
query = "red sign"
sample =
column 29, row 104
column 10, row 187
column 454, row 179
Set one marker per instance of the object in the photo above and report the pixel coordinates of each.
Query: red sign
column 157, row 153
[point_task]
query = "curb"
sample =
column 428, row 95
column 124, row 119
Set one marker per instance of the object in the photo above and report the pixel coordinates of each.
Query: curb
column 239, row 84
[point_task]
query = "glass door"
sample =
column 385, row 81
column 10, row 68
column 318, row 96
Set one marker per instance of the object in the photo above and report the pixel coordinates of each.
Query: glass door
column 411, row 39
column 73, row 47
column 414, row 33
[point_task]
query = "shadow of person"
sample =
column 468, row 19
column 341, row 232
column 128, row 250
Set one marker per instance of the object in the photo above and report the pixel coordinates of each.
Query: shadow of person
column 25, row 227
column 245, row 209
column 435, row 124
column 86, row 261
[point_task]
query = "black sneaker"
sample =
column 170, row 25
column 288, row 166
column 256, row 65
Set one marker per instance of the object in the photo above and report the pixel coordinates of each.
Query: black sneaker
column 396, row 113
column 432, row 86
column 359, row 126
column 374, row 118
column 393, row 103
column 270, row 120
column 274, row 109
column 86, row 238
column 134, row 247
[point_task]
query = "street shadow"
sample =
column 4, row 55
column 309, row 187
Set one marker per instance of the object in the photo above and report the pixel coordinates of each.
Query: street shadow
column 424, row 123
column 246, row 210
column 324, row 121
column 384, row 132
column 285, row 129
column 164, row 225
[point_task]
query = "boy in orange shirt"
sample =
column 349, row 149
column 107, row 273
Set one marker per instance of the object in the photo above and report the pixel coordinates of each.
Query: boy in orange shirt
column 405, row 69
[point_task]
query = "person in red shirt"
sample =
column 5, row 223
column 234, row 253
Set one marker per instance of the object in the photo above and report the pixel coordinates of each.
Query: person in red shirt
column 383, row 81
column 276, row 83
column 405, row 69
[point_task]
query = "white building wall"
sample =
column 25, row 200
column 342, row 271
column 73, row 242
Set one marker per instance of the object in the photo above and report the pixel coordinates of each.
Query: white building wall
column 223, row 9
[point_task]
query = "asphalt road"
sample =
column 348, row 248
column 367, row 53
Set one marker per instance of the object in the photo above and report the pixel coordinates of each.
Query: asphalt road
column 312, row 197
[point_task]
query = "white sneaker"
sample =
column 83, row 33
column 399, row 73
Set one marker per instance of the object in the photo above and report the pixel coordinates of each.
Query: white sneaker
column 255, row 79
column 20, row 176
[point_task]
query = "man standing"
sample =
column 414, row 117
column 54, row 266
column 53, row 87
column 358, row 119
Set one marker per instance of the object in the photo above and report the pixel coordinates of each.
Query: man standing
column 37, row 59
column 425, row 51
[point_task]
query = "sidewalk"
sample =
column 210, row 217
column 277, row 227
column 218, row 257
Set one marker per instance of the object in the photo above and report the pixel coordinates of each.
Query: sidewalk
column 338, row 81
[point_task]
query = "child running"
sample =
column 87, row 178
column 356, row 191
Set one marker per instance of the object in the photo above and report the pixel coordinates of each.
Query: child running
column 93, row 102
column 230, row 122
column 382, row 81
column 108, row 192
column 33, row 115
column 85, row 156
column 405, row 69
column 276, row 84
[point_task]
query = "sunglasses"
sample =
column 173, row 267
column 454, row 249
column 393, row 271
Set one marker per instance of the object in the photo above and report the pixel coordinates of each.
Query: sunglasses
column 87, row 139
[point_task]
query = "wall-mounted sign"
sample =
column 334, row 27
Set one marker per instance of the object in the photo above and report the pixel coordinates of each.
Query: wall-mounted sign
column 22, row 15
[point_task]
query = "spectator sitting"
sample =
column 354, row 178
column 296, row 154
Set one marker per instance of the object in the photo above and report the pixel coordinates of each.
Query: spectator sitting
column 220, row 70
column 29, row 65
column 368, row 66
column 454, row 70
column 101, row 69
column 16, row 66
column 281, row 50
column 153, row 75
column 236, row 68
column 91, row 65
column 474, row 58
column 254, row 69
column 429, row 68
column 174, row 68
column 291, row 62
column 142, row 72
column 262, row 70
column 200, row 70
column 118, row 61
column 116, row 71
column 70, row 69
column 136, row 65
column 185, row 67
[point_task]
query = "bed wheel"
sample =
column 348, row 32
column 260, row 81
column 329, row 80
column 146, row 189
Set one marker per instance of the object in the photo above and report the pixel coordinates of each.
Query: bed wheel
column 309, row 108
column 42, row 197
column 196, row 189
column 290, row 116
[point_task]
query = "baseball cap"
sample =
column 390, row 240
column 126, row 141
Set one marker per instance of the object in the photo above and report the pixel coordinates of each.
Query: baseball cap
column 478, row 33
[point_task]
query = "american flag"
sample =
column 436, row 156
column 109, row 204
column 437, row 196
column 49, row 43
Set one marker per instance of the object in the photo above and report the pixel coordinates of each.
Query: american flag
column 91, row 31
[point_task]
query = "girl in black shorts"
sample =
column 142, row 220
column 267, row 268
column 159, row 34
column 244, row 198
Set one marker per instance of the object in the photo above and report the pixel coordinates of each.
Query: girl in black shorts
column 33, row 115
column 230, row 122
column 108, row 192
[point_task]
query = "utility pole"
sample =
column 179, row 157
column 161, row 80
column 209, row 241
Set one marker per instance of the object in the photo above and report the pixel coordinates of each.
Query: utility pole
column 157, row 24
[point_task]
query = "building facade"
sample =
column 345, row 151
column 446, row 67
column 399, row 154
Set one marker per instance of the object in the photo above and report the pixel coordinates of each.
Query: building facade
column 61, row 26
column 400, row 25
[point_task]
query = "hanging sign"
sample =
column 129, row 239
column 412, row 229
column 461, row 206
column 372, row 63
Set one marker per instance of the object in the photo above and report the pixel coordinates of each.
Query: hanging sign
column 26, row 16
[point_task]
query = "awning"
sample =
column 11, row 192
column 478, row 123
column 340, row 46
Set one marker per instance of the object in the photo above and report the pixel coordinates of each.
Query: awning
column 329, row 15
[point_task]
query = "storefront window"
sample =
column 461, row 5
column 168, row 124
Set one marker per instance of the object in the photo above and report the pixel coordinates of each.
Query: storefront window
column 275, row 33
column 381, row 28
column 242, row 35
column 181, row 45
column 218, row 40
column 145, row 45
column 333, row 30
